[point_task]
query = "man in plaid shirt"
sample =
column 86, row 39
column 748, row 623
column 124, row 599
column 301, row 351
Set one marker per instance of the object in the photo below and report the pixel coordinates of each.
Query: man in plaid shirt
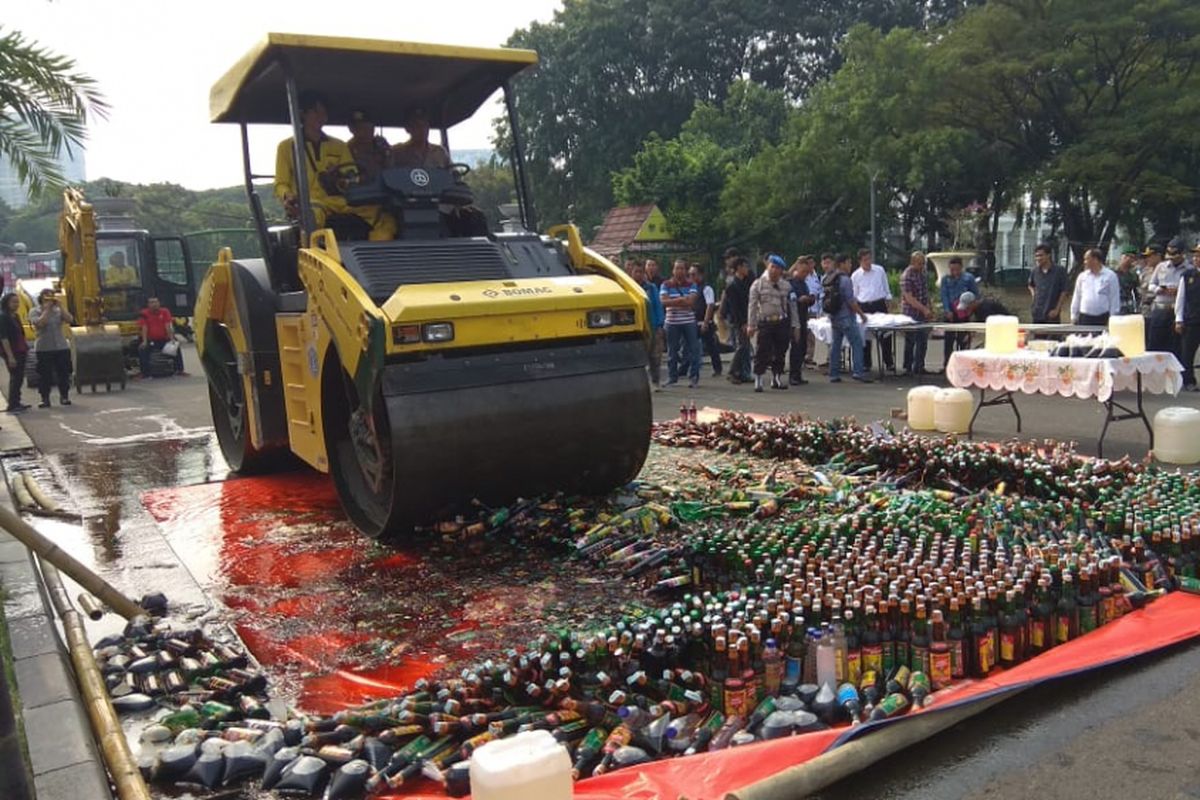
column 914, row 294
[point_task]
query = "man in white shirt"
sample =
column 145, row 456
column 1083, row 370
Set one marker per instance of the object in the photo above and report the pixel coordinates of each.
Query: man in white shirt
column 1097, row 292
column 872, row 292
column 706, row 307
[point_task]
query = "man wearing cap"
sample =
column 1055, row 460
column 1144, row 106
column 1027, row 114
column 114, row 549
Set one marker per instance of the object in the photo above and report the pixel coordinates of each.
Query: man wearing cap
column 1164, row 285
column 370, row 150
column 418, row 151
column 1151, row 257
column 1128, row 278
column 678, row 297
column 954, row 286
column 770, row 317
column 328, row 167
column 1097, row 294
column 873, row 293
column 1187, row 319
column 1047, row 286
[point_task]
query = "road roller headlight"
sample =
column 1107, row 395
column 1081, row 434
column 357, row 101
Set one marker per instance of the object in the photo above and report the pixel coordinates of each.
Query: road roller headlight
column 623, row 316
column 601, row 318
column 437, row 331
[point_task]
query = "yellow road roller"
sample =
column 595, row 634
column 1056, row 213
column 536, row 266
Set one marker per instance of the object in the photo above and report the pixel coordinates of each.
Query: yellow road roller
column 442, row 363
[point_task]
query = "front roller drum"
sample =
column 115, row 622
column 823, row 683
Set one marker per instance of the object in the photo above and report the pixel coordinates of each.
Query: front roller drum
column 579, row 434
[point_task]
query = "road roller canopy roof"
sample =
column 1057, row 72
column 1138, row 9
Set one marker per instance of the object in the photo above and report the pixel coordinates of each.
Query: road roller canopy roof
column 386, row 78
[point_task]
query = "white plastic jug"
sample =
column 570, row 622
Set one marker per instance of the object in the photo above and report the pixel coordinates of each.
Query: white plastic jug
column 1130, row 333
column 526, row 766
column 1000, row 334
column 920, row 408
column 1177, row 435
column 952, row 410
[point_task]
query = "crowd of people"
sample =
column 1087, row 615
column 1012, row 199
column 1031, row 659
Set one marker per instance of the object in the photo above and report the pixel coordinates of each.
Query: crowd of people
column 54, row 366
column 764, row 314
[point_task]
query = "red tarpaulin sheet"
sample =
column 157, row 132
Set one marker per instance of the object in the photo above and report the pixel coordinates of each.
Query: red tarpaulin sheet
column 709, row 776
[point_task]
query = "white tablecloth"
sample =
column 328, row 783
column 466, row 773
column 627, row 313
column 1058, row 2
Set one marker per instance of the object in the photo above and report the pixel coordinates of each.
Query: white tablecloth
column 1039, row 373
column 823, row 331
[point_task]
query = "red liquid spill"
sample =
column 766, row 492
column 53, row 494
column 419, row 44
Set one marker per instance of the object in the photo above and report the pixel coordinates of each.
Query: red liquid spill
column 345, row 688
column 304, row 606
column 394, row 561
column 250, row 564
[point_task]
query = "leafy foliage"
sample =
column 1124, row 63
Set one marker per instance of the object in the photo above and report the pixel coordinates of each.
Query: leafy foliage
column 613, row 72
column 44, row 106
column 164, row 209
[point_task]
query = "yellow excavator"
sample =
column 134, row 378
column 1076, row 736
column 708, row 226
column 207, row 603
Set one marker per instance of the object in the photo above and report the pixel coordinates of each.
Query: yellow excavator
column 109, row 268
column 439, row 368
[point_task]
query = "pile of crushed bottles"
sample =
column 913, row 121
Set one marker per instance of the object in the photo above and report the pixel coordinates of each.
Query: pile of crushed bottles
column 838, row 575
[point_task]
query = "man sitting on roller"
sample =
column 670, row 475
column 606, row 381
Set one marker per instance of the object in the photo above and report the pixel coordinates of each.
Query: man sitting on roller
column 329, row 166
column 420, row 153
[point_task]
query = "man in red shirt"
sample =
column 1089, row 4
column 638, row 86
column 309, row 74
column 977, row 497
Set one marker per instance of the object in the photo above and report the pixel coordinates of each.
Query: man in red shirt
column 157, row 330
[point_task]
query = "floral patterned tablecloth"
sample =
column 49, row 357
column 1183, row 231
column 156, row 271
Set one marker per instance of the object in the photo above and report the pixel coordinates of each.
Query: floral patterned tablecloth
column 1039, row 373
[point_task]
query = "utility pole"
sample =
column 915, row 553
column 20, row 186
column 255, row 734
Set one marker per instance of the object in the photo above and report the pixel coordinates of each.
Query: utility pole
column 874, row 175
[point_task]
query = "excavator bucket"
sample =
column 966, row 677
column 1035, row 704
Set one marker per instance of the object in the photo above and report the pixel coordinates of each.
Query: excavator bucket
column 99, row 357
column 473, row 432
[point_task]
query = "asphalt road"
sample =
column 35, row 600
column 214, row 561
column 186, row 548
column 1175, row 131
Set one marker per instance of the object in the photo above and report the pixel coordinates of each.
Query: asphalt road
column 1126, row 731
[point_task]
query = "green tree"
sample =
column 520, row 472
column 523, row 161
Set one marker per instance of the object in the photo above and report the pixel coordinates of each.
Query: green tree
column 492, row 184
column 44, row 106
column 1085, row 96
column 613, row 72
column 685, row 175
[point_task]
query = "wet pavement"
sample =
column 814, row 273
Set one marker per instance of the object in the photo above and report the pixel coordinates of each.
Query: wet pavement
column 338, row 618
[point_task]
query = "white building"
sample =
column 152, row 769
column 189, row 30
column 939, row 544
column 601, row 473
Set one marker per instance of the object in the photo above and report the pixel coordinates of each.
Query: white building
column 14, row 194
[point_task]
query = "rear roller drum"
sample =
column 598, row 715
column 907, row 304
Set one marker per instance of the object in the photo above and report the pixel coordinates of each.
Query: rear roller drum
column 227, row 400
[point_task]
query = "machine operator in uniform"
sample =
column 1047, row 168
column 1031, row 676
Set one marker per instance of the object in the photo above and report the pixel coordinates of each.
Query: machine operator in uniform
column 328, row 164
column 118, row 273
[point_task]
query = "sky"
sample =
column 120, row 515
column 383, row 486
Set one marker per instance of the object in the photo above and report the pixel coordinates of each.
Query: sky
column 155, row 61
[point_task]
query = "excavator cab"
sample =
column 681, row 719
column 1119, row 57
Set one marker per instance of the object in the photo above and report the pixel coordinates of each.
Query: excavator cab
column 448, row 367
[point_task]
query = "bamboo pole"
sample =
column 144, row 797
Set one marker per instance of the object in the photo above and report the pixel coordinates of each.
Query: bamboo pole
column 106, row 727
column 824, row 770
column 25, row 533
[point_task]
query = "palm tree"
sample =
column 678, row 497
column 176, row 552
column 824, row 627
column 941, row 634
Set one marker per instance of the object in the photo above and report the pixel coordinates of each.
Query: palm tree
column 44, row 107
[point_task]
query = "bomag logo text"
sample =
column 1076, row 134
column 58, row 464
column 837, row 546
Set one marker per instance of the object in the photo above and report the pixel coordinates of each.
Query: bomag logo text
column 524, row 291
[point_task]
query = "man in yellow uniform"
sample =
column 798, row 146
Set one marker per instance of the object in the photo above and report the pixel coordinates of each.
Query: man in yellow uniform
column 119, row 274
column 328, row 163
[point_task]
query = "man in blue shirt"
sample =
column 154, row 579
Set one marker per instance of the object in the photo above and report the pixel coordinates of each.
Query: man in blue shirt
column 678, row 297
column 844, row 316
column 654, row 315
column 954, row 286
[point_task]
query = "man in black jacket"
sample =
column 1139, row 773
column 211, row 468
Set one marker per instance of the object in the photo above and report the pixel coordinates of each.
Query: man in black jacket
column 803, row 299
column 735, row 305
